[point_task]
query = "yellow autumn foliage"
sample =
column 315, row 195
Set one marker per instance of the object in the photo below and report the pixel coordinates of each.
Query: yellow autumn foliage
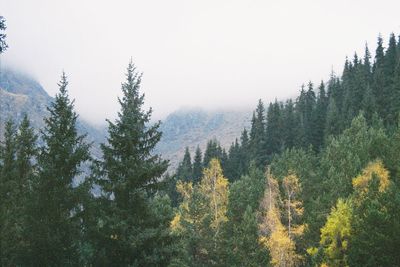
column 275, row 236
column 215, row 187
column 360, row 183
column 336, row 233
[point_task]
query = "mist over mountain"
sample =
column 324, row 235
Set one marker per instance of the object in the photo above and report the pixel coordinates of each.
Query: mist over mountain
column 20, row 94
column 188, row 127
column 191, row 127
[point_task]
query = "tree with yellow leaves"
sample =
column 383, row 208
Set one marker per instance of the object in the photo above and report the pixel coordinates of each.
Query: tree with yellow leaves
column 276, row 236
column 375, row 228
column 201, row 216
column 336, row 233
column 293, row 204
column 356, row 227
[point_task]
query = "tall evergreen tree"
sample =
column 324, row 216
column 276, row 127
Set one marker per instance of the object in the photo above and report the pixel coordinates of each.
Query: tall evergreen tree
column 213, row 150
column 7, row 180
column 185, row 170
column 320, row 116
column 131, row 175
column 16, row 228
column 197, row 165
column 273, row 129
column 332, row 126
column 257, row 136
column 55, row 209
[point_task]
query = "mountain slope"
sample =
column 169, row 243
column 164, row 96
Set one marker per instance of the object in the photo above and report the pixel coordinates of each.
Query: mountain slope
column 20, row 94
column 192, row 127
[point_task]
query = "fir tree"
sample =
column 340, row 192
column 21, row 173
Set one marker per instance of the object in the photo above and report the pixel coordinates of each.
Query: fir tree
column 320, row 116
column 197, row 165
column 185, row 170
column 7, row 181
column 16, row 230
column 131, row 174
column 257, row 136
column 57, row 202
column 3, row 44
column 273, row 129
column 213, row 150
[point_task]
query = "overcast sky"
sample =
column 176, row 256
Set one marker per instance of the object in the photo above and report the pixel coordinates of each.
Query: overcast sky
column 204, row 53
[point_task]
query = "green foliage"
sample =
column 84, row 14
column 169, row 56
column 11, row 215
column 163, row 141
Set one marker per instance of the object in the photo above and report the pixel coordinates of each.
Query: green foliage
column 201, row 217
column 240, row 238
column 185, row 168
column 336, row 233
column 128, row 232
column 54, row 212
column 376, row 226
column 197, row 165
column 346, row 155
column 19, row 174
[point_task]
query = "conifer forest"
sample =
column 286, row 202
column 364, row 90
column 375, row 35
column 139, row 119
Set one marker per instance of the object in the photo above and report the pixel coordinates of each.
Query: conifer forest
column 314, row 180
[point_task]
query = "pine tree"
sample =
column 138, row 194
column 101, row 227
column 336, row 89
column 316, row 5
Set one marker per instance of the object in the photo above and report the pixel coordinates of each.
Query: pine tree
column 16, row 230
column 7, row 181
column 332, row 126
column 244, row 154
column 379, row 79
column 213, row 150
column 240, row 237
column 368, row 104
column 257, row 136
column 232, row 168
column 55, row 209
column 3, row 44
column 290, row 125
column 197, row 165
column 185, row 170
column 131, row 175
column 320, row 116
column 273, row 131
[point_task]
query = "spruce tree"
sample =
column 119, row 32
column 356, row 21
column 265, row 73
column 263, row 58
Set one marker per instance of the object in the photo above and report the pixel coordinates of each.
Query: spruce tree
column 185, row 171
column 8, row 176
column 197, row 165
column 16, row 230
column 320, row 116
column 3, row 44
column 244, row 152
column 213, row 150
column 130, row 176
column 57, row 203
column 257, row 136
column 379, row 79
column 273, row 129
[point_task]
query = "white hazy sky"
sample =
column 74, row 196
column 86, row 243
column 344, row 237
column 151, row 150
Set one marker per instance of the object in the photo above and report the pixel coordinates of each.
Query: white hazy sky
column 203, row 53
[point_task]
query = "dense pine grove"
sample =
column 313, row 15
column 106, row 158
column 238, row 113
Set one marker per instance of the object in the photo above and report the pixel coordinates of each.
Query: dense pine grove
column 313, row 182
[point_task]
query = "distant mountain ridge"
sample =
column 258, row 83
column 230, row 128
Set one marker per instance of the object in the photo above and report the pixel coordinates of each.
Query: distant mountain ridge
column 192, row 127
column 21, row 94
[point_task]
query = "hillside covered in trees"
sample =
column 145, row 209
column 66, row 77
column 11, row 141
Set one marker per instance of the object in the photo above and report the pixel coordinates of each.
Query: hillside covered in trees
column 328, row 166
column 313, row 182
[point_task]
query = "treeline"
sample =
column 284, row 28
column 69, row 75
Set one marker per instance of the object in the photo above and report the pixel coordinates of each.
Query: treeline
column 314, row 181
column 318, row 113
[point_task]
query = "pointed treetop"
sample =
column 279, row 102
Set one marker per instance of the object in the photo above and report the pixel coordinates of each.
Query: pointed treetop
column 3, row 27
